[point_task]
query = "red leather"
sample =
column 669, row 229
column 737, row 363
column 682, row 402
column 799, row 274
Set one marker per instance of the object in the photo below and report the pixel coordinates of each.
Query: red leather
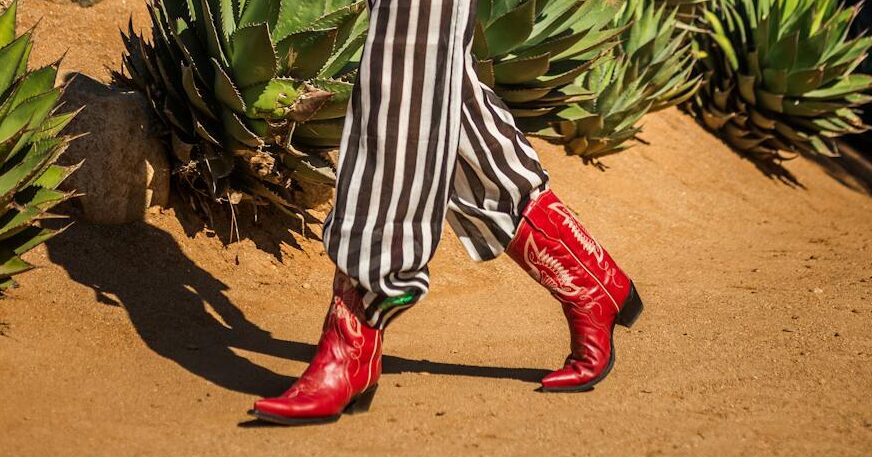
column 554, row 248
column 347, row 362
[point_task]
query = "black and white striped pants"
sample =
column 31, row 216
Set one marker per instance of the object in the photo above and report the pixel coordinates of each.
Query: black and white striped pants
column 424, row 140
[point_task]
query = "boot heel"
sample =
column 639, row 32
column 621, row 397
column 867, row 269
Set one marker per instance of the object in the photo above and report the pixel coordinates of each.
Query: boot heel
column 363, row 401
column 631, row 310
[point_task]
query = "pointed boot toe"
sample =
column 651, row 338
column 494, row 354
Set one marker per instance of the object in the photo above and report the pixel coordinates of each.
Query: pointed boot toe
column 342, row 376
column 560, row 380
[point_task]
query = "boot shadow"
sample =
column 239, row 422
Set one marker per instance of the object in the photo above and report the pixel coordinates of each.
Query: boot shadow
column 168, row 299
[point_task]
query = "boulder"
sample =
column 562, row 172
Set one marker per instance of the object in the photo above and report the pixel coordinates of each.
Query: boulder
column 124, row 164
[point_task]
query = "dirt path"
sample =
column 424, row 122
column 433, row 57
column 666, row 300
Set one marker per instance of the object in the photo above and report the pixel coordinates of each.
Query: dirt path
column 139, row 340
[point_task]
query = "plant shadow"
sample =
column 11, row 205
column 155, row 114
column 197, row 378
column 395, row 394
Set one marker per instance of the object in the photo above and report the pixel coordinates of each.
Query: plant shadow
column 852, row 168
column 182, row 312
column 268, row 228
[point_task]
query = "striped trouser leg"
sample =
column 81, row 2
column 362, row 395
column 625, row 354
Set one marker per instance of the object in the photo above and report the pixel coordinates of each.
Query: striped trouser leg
column 498, row 172
column 423, row 140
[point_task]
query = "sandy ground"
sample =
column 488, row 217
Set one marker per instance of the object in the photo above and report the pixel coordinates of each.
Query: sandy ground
column 140, row 340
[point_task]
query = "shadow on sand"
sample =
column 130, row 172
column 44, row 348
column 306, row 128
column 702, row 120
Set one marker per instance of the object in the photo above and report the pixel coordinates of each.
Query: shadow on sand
column 852, row 169
column 142, row 269
column 265, row 226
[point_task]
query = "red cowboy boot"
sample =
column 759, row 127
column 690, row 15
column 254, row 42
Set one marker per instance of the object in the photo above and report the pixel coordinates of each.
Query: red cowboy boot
column 343, row 376
column 553, row 247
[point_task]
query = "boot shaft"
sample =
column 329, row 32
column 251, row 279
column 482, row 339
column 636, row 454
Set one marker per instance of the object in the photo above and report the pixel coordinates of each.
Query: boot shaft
column 348, row 348
column 553, row 246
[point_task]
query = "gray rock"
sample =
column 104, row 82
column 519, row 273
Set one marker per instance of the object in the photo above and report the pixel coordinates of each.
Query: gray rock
column 124, row 165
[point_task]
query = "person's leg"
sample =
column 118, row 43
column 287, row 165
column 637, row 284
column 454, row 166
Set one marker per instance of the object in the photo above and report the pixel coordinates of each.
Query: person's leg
column 500, row 201
column 397, row 159
column 399, row 150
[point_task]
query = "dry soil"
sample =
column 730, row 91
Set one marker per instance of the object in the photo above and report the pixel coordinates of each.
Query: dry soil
column 153, row 339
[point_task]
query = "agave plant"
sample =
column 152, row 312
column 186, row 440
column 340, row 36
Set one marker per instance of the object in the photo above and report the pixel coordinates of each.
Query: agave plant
column 649, row 71
column 862, row 24
column 251, row 91
column 688, row 12
column 29, row 146
column 529, row 51
column 780, row 77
